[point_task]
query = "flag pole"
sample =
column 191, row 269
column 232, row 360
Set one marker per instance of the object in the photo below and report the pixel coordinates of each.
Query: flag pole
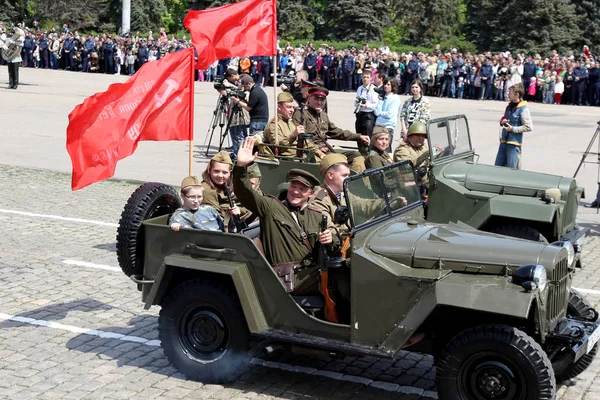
column 191, row 158
column 275, row 97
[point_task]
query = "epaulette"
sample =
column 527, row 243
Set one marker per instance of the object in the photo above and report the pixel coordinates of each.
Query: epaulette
column 311, row 208
column 321, row 194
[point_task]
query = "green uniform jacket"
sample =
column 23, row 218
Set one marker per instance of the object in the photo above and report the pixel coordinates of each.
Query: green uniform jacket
column 417, row 156
column 220, row 202
column 325, row 201
column 279, row 232
column 318, row 124
column 378, row 158
column 285, row 129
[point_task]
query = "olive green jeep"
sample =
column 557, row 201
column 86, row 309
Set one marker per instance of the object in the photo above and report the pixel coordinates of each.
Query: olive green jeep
column 498, row 314
column 494, row 199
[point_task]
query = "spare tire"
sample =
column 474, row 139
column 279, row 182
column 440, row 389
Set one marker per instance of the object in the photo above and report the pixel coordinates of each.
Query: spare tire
column 148, row 201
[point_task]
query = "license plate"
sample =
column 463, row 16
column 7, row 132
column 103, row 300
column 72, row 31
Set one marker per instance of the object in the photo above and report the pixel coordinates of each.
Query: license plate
column 594, row 337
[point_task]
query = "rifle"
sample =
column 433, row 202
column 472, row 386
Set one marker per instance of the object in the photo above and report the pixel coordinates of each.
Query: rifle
column 330, row 313
column 238, row 224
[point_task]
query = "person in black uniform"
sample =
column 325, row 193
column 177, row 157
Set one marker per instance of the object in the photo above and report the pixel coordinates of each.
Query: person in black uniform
column 580, row 76
column 88, row 47
column 69, row 49
column 594, row 84
column 108, row 48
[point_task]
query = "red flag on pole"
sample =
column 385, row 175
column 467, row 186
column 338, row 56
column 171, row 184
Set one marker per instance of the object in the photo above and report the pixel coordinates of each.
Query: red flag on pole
column 248, row 28
column 157, row 103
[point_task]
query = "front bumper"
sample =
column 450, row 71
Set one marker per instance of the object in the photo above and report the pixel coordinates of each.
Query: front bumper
column 578, row 336
column 577, row 237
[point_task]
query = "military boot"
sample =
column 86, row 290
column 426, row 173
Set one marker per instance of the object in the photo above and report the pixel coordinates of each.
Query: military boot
column 16, row 75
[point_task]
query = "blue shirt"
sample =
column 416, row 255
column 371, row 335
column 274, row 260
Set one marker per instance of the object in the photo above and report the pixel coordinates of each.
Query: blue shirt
column 387, row 111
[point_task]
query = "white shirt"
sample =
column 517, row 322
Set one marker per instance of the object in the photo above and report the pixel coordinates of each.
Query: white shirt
column 369, row 94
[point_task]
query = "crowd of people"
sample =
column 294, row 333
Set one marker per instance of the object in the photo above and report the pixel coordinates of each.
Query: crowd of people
column 571, row 78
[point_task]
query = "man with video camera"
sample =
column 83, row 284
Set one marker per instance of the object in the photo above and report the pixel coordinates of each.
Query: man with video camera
column 240, row 119
column 296, row 88
column 257, row 104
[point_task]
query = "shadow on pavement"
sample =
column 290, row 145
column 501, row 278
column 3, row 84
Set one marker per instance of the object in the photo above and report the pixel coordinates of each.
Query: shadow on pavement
column 255, row 378
column 59, row 311
column 110, row 247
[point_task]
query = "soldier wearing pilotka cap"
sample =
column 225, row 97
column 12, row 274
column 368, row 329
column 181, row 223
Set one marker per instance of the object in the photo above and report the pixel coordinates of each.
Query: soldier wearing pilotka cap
column 289, row 228
column 287, row 131
column 316, row 122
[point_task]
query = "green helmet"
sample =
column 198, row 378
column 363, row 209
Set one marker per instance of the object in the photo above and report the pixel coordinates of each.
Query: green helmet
column 418, row 128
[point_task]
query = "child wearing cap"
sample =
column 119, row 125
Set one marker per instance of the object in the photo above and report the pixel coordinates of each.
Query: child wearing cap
column 194, row 214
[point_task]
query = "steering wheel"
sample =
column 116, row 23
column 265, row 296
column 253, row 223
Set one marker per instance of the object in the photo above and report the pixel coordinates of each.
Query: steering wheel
column 446, row 152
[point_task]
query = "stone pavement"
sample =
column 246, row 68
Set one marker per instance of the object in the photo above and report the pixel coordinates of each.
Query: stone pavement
column 77, row 329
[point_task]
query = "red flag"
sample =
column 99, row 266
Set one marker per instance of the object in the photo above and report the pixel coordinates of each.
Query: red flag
column 248, row 28
column 154, row 104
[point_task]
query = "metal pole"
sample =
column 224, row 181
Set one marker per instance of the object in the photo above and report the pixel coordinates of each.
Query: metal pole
column 126, row 16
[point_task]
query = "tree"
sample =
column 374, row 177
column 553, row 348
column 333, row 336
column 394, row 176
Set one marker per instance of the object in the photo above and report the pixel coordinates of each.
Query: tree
column 79, row 14
column 8, row 13
column 147, row 15
column 296, row 19
column 527, row 25
column 589, row 12
column 355, row 20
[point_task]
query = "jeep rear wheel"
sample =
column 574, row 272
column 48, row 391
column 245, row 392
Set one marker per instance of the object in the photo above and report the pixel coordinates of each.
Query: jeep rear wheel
column 519, row 231
column 203, row 332
column 148, row 201
column 564, row 367
column 492, row 362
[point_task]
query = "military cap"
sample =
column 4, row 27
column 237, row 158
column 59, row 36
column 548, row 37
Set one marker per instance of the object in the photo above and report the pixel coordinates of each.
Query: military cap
column 254, row 171
column 379, row 130
column 309, row 84
column 304, row 177
column 417, row 128
column 190, row 181
column 222, row 157
column 318, row 91
column 285, row 97
column 330, row 160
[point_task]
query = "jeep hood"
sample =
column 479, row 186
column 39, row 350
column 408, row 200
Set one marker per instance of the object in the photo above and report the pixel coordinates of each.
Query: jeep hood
column 457, row 247
column 501, row 180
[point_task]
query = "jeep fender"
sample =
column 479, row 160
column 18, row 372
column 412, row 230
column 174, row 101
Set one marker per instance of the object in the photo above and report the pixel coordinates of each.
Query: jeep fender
column 238, row 272
column 516, row 207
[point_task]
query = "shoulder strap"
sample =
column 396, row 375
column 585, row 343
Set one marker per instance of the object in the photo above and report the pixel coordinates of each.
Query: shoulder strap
column 303, row 234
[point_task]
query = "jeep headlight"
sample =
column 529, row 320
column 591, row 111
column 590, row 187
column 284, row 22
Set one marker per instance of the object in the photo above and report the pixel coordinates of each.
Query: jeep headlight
column 570, row 250
column 531, row 273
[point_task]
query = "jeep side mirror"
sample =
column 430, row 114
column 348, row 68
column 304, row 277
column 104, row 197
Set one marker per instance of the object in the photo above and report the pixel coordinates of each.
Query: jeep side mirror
column 341, row 215
column 421, row 172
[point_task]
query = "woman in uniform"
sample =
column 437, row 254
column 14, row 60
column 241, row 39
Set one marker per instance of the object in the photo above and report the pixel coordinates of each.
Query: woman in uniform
column 380, row 141
column 216, row 182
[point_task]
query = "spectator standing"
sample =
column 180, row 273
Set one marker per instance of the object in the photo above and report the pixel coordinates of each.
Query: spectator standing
column 348, row 65
column 529, row 70
column 88, row 48
column 515, row 121
column 257, row 105
column 559, row 89
column 580, row 76
column 568, row 80
column 310, row 64
column 364, row 104
column 43, row 51
column 487, row 74
column 69, row 49
column 412, row 69
column 388, row 107
column 130, row 63
column 54, row 49
column 594, row 84
column 28, row 47
column 266, row 65
column 416, row 108
column 327, row 68
column 108, row 49
column 142, row 54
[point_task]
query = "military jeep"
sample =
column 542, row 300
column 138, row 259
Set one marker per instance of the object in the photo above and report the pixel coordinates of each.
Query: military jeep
column 495, row 199
column 497, row 313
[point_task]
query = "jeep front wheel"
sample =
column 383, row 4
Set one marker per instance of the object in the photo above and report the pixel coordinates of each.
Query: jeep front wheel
column 564, row 367
column 203, row 332
column 519, row 232
column 491, row 362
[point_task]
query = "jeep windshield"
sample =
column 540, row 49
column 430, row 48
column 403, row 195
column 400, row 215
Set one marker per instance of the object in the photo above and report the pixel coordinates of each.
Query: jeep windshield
column 449, row 136
column 381, row 193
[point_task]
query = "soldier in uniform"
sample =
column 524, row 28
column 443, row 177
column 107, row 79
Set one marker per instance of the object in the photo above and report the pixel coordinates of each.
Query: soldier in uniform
column 289, row 228
column 594, row 84
column 378, row 156
column 69, row 49
column 310, row 63
column 88, row 47
column 316, row 122
column 216, row 182
column 414, row 148
column 287, row 130
column 329, row 196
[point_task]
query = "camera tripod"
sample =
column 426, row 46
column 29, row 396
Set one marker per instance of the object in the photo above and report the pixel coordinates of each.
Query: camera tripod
column 597, row 161
column 221, row 120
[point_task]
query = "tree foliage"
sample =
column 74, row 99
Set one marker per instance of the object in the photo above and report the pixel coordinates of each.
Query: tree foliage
column 531, row 25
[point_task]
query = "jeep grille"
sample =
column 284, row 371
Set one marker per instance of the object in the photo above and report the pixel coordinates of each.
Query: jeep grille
column 558, row 294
